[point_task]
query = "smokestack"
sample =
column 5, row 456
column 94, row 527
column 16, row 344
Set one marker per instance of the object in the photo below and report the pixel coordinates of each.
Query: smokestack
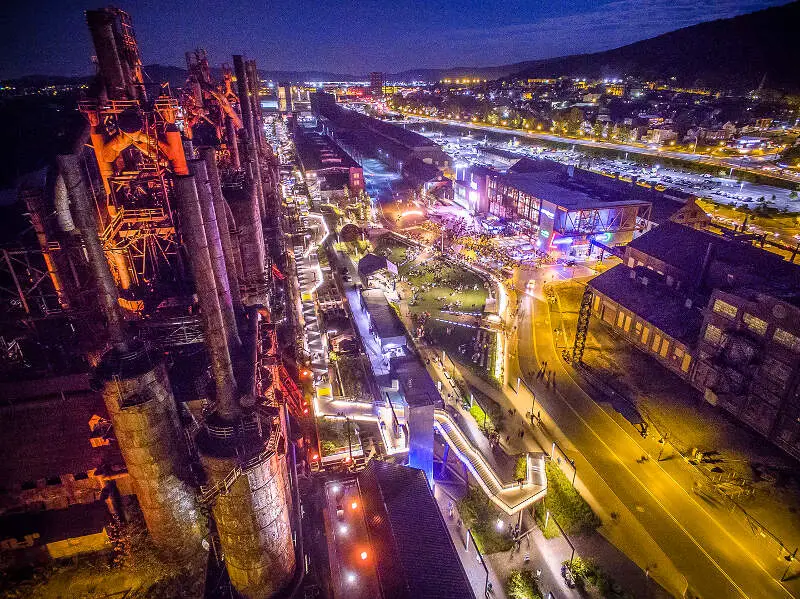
column 101, row 26
column 232, row 143
column 701, row 274
column 244, row 98
column 254, row 85
column 223, row 225
column 236, row 249
column 251, row 243
column 84, row 215
column 117, row 53
column 213, row 237
column 255, row 176
column 196, row 244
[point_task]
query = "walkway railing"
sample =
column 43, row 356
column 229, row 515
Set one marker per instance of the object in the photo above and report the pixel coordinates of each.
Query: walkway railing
column 500, row 493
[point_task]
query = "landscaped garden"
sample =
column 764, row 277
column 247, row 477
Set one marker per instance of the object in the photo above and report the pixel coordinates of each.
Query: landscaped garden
column 564, row 503
column 521, row 584
column 480, row 515
column 338, row 437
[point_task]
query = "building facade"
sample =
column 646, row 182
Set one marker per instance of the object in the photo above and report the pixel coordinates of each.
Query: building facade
column 721, row 314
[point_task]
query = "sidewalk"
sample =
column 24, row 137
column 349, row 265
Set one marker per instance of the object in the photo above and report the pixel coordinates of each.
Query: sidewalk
column 445, row 493
column 627, row 534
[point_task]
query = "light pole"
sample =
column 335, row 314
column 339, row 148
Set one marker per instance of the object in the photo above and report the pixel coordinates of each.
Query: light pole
column 663, row 442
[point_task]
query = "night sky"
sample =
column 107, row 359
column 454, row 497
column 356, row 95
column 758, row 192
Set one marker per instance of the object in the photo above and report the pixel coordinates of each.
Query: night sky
column 347, row 36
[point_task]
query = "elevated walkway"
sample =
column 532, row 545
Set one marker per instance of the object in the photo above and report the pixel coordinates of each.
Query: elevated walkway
column 510, row 497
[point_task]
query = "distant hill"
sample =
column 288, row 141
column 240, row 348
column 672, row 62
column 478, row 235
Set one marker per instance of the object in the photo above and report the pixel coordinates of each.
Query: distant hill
column 732, row 53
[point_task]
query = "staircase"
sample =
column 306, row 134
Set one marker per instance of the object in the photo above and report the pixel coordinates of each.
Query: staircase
column 511, row 497
column 475, row 461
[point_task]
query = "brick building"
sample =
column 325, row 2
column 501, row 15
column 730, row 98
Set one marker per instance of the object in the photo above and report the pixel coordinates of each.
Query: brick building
column 722, row 314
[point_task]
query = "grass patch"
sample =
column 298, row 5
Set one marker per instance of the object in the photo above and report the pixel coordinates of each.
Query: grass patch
column 551, row 530
column 455, row 284
column 521, row 584
column 480, row 515
column 481, row 417
column 436, row 333
column 394, row 250
column 566, row 504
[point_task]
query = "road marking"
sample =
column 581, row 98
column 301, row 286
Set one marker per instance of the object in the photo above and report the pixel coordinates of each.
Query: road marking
column 647, row 490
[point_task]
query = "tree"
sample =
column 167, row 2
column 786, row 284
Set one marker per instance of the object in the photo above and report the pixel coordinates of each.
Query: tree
column 574, row 119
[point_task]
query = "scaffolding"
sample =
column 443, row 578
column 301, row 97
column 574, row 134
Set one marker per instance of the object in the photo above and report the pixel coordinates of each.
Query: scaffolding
column 137, row 229
column 582, row 328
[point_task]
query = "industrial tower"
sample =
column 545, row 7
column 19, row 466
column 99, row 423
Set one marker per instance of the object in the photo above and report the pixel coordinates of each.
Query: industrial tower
column 168, row 219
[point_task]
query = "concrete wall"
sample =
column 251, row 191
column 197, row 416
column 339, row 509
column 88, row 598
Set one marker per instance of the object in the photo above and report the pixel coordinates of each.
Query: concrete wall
column 420, row 437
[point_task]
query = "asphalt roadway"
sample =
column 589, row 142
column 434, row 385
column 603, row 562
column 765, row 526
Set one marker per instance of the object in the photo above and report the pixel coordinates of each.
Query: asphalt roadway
column 633, row 149
column 713, row 557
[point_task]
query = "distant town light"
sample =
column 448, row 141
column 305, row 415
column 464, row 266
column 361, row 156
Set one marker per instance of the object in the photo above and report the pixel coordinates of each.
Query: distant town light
column 500, row 524
column 354, row 505
column 363, row 555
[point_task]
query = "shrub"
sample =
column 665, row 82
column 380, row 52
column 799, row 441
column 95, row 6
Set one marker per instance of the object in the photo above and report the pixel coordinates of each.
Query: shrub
column 566, row 504
column 521, row 584
column 521, row 468
column 480, row 516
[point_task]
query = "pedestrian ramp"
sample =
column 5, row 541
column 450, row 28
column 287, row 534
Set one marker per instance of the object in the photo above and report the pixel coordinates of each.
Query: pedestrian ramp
column 510, row 497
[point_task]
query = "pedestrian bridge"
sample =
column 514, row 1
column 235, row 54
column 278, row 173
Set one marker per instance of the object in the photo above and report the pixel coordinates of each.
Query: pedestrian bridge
column 510, row 497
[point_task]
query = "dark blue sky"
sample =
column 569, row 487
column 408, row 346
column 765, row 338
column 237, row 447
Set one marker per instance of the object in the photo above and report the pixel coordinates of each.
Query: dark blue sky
column 350, row 36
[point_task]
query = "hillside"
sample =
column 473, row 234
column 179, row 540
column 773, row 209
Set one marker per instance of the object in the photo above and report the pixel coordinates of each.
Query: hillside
column 731, row 53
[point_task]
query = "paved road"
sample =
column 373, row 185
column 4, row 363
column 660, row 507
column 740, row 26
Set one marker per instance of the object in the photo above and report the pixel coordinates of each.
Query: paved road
column 706, row 553
column 633, row 149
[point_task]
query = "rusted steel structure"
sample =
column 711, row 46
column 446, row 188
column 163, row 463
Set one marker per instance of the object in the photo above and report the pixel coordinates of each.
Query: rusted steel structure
column 157, row 221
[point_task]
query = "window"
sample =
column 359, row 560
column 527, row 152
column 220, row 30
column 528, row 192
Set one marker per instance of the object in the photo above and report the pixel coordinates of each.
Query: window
column 645, row 334
column 713, row 335
column 637, row 329
column 656, row 342
column 725, row 309
column 677, row 354
column 687, row 360
column 620, row 319
column 755, row 324
column 786, row 339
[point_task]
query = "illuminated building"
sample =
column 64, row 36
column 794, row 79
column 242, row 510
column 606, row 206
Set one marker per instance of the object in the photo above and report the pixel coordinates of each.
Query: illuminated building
column 564, row 209
column 377, row 81
column 285, row 102
column 721, row 314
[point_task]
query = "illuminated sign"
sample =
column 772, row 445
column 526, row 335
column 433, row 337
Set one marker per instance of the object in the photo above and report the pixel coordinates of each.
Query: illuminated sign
column 562, row 241
column 548, row 214
column 544, row 233
column 602, row 237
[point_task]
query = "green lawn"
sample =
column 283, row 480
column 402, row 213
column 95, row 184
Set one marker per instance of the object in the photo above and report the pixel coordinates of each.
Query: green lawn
column 566, row 504
column 396, row 251
column 450, row 282
column 436, row 333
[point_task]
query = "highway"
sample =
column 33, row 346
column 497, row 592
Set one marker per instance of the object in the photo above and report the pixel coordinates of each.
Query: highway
column 690, row 158
column 701, row 541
